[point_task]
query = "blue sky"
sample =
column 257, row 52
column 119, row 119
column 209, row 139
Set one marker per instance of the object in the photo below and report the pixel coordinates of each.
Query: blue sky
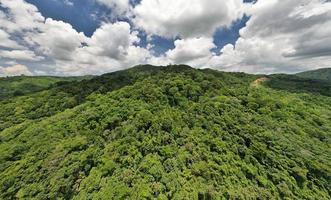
column 79, row 15
column 76, row 37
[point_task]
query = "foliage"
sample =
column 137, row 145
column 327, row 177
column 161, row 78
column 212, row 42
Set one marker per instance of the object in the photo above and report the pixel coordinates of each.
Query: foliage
column 22, row 85
column 319, row 74
column 298, row 85
column 167, row 133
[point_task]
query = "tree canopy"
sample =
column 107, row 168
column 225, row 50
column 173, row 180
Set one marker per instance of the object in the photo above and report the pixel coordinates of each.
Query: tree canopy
column 168, row 133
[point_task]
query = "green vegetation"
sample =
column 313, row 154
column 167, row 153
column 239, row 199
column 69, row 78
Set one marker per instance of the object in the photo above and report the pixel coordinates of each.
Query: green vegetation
column 21, row 85
column 296, row 84
column 319, row 74
column 168, row 133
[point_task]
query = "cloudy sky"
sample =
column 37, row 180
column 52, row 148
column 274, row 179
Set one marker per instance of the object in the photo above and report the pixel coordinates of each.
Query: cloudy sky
column 76, row 37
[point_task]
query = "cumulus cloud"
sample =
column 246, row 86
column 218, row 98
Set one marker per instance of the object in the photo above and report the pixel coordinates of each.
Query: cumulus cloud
column 281, row 36
column 6, row 42
column 15, row 70
column 184, row 18
column 19, row 16
column 113, row 40
column 190, row 49
column 119, row 7
column 57, row 39
column 111, row 47
column 17, row 19
column 20, row 55
column 297, row 39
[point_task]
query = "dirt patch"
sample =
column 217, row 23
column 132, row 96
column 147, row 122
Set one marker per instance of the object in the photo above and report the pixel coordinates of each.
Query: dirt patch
column 258, row 82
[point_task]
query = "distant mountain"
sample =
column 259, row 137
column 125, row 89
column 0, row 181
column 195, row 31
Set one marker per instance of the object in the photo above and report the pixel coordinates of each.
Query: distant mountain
column 319, row 74
column 168, row 133
column 20, row 85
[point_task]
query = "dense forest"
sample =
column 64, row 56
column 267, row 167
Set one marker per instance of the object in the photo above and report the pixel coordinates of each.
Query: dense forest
column 21, row 85
column 321, row 74
column 168, row 133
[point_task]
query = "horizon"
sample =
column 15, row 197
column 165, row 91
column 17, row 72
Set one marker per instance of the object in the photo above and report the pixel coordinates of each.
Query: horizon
column 94, row 37
column 96, row 75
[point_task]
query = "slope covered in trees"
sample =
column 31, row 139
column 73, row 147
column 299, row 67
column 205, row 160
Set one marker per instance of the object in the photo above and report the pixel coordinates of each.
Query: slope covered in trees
column 21, row 85
column 168, row 133
column 319, row 74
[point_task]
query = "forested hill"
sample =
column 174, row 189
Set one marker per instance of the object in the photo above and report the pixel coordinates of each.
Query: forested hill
column 321, row 74
column 21, row 85
column 169, row 133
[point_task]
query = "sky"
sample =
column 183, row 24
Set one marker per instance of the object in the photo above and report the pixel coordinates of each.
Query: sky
column 79, row 37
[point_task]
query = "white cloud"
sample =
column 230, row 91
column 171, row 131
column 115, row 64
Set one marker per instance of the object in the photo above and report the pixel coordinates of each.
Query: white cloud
column 119, row 7
column 68, row 2
column 21, row 16
column 297, row 39
column 184, row 18
column 112, row 40
column 6, row 42
column 15, row 70
column 111, row 47
column 18, row 18
column 281, row 36
column 190, row 49
column 136, row 55
column 195, row 52
column 57, row 39
column 311, row 8
column 20, row 55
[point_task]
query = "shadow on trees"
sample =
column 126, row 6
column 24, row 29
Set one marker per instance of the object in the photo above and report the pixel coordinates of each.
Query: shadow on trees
column 297, row 84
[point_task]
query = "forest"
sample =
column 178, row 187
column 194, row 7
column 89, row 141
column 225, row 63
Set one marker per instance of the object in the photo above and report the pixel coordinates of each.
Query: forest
column 170, row 132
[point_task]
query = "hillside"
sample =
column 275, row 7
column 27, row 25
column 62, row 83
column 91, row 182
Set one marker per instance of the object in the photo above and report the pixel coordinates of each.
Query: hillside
column 21, row 85
column 321, row 74
column 168, row 133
